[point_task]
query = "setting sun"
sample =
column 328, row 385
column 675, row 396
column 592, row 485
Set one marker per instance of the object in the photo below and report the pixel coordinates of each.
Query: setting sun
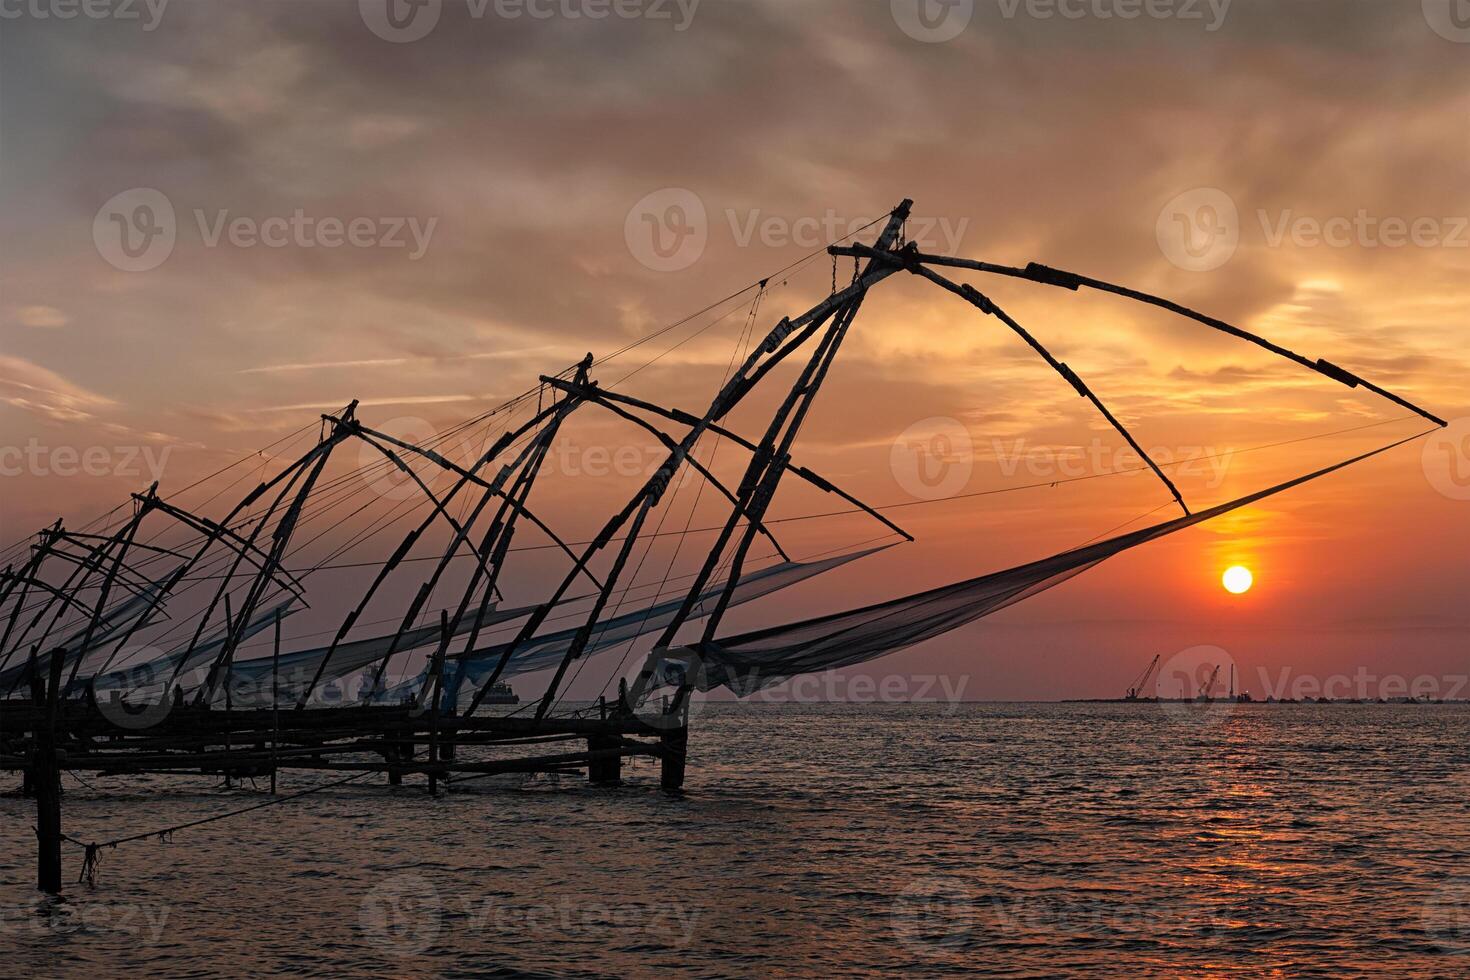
column 1238, row 579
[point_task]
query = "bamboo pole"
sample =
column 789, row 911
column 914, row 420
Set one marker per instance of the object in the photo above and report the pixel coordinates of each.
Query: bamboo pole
column 983, row 303
column 1035, row 272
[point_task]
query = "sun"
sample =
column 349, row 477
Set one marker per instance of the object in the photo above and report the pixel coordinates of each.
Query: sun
column 1238, row 579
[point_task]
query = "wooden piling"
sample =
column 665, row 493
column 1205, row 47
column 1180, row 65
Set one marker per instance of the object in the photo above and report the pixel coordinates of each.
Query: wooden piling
column 192, row 739
column 392, row 755
column 435, row 684
column 449, row 748
column 676, row 742
column 47, row 776
column 605, row 770
column 38, row 697
column 275, row 702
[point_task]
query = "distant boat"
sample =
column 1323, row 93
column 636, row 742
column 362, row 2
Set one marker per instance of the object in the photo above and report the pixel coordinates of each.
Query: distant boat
column 500, row 693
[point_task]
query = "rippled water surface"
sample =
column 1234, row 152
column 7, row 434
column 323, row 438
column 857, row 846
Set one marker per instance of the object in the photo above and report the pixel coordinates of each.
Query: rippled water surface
column 1014, row 840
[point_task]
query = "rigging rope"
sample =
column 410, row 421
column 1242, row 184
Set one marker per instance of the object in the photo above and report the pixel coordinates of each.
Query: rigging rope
column 91, row 860
column 896, row 505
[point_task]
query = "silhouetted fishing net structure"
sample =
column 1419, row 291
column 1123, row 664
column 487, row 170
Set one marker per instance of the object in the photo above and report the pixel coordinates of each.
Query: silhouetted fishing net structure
column 157, row 640
column 749, row 662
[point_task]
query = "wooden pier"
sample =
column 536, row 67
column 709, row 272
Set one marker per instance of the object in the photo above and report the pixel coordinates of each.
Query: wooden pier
column 44, row 735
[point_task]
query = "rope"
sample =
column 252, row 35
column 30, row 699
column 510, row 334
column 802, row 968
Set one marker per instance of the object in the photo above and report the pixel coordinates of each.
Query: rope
column 896, row 505
column 736, row 353
column 354, row 486
column 92, row 851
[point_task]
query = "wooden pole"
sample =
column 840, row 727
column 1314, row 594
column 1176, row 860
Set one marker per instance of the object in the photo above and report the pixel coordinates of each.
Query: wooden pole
column 229, row 625
column 392, row 755
column 38, row 700
column 675, row 740
column 275, row 701
column 48, row 788
column 604, row 770
column 436, row 687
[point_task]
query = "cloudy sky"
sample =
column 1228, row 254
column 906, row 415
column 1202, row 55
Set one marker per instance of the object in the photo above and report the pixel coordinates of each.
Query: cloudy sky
column 222, row 218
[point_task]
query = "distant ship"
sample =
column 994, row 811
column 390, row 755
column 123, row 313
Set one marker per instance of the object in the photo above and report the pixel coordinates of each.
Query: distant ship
column 501, row 693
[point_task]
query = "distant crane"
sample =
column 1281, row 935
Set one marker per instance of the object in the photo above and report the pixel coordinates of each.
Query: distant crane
column 1141, row 685
column 1209, row 685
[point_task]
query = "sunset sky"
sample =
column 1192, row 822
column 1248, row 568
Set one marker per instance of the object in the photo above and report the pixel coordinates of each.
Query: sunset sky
column 507, row 174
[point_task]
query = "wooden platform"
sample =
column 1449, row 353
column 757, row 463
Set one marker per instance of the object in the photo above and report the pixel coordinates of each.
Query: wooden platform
column 254, row 742
column 43, row 737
